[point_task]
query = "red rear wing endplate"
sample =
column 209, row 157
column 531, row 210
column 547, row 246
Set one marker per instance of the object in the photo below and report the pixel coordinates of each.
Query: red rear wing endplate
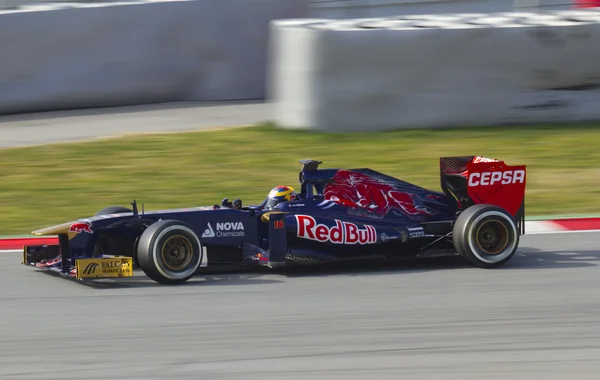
column 498, row 184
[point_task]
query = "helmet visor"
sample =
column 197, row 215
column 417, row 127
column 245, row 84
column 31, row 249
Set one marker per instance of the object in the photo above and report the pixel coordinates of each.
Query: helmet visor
column 274, row 201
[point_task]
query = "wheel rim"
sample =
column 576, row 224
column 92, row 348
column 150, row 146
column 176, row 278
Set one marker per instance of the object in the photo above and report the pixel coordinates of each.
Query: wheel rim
column 177, row 252
column 492, row 237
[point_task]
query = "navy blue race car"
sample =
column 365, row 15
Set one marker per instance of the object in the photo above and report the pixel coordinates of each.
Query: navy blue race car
column 336, row 214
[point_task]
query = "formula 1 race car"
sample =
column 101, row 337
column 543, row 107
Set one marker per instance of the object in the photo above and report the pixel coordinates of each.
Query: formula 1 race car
column 338, row 214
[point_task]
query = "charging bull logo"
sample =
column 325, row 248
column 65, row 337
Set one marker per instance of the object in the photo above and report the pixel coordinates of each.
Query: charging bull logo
column 354, row 189
column 81, row 227
column 342, row 233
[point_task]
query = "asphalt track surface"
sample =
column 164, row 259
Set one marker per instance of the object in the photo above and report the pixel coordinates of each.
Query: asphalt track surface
column 69, row 126
column 536, row 318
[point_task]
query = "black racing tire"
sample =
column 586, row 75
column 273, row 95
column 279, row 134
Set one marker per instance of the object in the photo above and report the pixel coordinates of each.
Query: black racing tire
column 162, row 244
column 113, row 210
column 486, row 236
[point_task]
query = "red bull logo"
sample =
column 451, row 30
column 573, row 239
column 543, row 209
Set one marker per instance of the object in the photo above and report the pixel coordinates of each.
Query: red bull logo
column 81, row 227
column 342, row 233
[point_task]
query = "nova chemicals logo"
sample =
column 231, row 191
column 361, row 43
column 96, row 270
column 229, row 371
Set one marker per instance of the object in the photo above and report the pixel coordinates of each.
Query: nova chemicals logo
column 208, row 232
column 90, row 268
column 227, row 229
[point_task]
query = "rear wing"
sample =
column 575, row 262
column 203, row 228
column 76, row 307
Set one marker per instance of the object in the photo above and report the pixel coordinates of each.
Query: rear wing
column 474, row 180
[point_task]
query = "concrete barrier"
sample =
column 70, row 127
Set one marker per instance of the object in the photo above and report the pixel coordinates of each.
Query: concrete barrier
column 436, row 71
column 112, row 54
column 344, row 9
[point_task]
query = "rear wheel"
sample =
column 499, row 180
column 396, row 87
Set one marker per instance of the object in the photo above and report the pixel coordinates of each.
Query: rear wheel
column 169, row 252
column 486, row 235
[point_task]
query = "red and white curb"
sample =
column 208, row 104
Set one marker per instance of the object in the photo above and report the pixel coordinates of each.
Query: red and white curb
column 532, row 227
column 11, row 244
column 535, row 227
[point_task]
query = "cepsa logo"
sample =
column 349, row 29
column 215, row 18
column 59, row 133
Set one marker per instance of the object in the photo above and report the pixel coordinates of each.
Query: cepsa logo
column 342, row 233
column 491, row 178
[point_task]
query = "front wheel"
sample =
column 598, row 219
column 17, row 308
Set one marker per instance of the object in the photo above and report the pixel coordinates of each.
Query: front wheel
column 169, row 252
column 486, row 235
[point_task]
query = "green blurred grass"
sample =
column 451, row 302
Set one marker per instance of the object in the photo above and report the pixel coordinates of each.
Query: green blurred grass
column 40, row 186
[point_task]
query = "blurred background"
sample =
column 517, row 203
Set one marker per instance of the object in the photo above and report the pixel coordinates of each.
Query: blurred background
column 78, row 71
column 183, row 103
column 378, row 8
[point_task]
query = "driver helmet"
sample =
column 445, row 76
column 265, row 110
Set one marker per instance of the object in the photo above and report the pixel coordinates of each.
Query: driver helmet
column 280, row 194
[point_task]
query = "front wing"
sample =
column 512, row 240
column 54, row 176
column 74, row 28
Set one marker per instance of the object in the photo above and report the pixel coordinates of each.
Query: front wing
column 49, row 259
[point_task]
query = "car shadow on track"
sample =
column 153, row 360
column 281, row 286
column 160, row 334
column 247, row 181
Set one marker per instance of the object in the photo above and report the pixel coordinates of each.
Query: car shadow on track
column 256, row 275
column 525, row 258
column 379, row 267
column 530, row 258
column 140, row 280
